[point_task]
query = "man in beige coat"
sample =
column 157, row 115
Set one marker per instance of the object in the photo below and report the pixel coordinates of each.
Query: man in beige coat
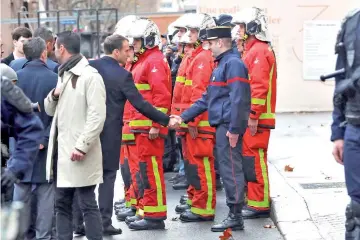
column 74, row 159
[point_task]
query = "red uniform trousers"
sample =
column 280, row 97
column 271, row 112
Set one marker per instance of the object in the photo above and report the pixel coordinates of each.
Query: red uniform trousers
column 131, row 150
column 256, row 174
column 125, row 174
column 200, row 172
column 151, row 181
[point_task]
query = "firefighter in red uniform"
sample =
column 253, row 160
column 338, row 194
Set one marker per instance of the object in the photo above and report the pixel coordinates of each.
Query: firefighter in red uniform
column 152, row 78
column 200, row 137
column 260, row 59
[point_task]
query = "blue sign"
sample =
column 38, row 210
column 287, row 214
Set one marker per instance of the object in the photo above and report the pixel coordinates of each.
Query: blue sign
column 68, row 21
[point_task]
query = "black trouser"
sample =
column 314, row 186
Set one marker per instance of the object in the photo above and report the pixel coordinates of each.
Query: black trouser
column 64, row 198
column 106, row 196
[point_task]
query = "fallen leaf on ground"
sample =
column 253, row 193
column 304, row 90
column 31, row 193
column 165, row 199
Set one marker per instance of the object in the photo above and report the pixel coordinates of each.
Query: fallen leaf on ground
column 269, row 226
column 328, row 178
column 288, row 168
column 174, row 219
column 227, row 235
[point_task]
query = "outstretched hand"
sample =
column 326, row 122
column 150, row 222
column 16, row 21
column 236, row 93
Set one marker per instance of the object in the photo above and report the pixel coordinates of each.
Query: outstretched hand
column 175, row 121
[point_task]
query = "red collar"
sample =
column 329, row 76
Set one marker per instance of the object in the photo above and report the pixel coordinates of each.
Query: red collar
column 197, row 50
column 250, row 44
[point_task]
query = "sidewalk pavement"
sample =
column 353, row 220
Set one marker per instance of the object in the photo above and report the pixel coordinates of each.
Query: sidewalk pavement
column 309, row 202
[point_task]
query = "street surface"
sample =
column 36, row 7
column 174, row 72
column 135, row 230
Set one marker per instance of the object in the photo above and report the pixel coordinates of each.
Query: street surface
column 315, row 193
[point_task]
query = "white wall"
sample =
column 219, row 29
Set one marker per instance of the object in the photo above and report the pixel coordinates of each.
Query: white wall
column 286, row 19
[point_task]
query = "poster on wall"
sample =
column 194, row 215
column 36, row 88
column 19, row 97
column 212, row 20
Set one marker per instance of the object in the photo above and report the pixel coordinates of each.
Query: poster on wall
column 319, row 48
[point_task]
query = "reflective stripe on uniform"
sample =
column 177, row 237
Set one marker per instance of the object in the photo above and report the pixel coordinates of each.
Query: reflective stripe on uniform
column 141, row 86
column 140, row 123
column 127, row 204
column 133, row 201
column 188, row 82
column 159, row 191
column 128, row 136
column 201, row 124
column 258, row 101
column 265, row 202
column 189, row 202
column 180, row 79
column 163, row 110
column 209, row 183
column 267, row 116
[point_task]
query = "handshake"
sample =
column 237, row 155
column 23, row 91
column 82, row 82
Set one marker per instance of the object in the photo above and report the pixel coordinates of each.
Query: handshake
column 175, row 121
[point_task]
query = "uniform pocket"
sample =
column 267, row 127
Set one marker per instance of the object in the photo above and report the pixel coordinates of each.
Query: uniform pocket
column 249, row 169
column 147, row 147
column 203, row 147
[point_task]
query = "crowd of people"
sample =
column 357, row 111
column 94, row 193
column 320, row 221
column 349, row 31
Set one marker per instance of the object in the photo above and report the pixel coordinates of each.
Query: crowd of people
column 206, row 90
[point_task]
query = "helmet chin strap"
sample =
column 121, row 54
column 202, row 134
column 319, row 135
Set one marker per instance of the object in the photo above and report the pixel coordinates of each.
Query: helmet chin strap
column 197, row 43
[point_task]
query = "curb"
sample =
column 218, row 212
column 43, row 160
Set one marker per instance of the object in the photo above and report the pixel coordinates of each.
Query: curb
column 289, row 210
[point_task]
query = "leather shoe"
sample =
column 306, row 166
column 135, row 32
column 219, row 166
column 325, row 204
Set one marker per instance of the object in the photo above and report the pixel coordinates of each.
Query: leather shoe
column 127, row 212
column 250, row 213
column 183, row 199
column 175, row 178
column 182, row 208
column 129, row 220
column 181, row 184
column 80, row 230
column 188, row 216
column 110, row 230
column 233, row 221
column 121, row 201
column 144, row 224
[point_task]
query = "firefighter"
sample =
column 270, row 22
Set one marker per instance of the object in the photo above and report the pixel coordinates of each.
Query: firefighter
column 179, row 181
column 152, row 78
column 200, row 137
column 260, row 59
column 127, row 207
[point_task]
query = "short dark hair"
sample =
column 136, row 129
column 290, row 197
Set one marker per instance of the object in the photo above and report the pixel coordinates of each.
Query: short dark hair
column 21, row 32
column 113, row 42
column 34, row 48
column 44, row 33
column 70, row 40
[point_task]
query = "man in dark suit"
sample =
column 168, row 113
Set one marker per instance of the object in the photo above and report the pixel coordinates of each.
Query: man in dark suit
column 120, row 87
column 37, row 80
column 48, row 37
column 19, row 36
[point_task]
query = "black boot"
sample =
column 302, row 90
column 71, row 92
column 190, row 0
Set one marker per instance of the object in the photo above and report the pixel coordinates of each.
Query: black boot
column 183, row 199
column 127, row 212
column 352, row 224
column 182, row 208
column 188, row 216
column 121, row 201
column 119, row 208
column 251, row 213
column 110, row 230
column 80, row 230
column 181, row 184
column 147, row 225
column 129, row 220
column 219, row 185
column 233, row 221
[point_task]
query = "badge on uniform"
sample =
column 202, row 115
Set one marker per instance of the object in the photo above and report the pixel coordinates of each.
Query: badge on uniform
column 213, row 79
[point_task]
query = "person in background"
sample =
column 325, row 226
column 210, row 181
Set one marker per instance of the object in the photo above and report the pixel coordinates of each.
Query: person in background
column 37, row 80
column 19, row 36
column 48, row 37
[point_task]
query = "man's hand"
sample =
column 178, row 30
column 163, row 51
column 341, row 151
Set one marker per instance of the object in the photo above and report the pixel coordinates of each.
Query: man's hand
column 233, row 138
column 253, row 124
column 153, row 133
column 175, row 121
column 76, row 155
column 41, row 147
column 8, row 179
column 338, row 151
column 193, row 132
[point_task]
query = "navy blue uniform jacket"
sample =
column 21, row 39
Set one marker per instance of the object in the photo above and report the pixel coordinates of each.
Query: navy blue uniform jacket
column 37, row 80
column 228, row 96
column 27, row 129
column 20, row 63
column 119, row 85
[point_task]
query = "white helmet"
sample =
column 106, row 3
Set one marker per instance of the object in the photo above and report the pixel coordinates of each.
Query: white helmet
column 147, row 31
column 235, row 34
column 172, row 31
column 183, row 20
column 200, row 22
column 123, row 25
column 255, row 23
